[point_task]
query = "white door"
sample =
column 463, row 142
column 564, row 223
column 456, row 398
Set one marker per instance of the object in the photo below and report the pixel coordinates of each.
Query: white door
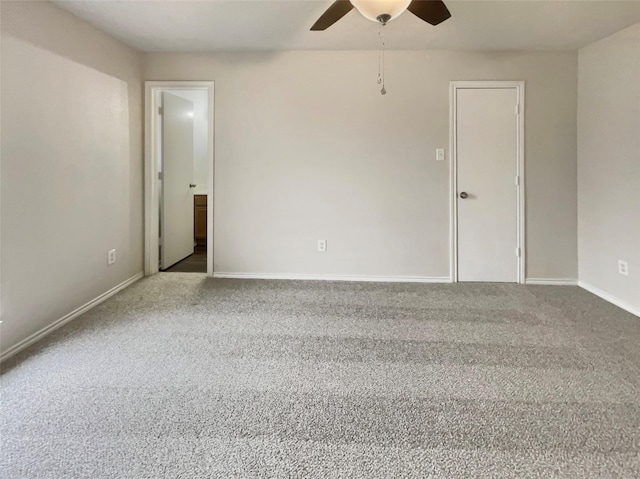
column 487, row 158
column 176, row 205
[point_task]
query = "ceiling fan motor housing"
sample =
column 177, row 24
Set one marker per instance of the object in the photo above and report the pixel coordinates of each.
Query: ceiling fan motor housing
column 434, row 12
column 381, row 11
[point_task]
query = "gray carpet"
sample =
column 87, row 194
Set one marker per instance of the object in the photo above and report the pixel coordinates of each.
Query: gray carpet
column 180, row 376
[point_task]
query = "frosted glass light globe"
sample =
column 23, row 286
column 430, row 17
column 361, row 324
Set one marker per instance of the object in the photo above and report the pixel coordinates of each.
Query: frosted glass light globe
column 372, row 9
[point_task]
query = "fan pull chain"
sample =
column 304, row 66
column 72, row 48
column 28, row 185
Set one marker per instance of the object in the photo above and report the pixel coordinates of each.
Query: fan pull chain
column 383, row 91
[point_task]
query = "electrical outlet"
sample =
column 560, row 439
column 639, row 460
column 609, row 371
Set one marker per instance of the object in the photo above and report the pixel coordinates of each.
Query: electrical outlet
column 623, row 267
column 111, row 256
column 322, row 246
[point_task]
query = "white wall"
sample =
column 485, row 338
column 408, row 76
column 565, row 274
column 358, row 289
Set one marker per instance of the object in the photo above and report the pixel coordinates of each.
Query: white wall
column 71, row 169
column 307, row 148
column 200, row 136
column 609, row 165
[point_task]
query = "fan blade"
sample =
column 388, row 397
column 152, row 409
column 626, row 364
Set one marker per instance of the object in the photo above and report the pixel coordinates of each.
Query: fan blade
column 431, row 11
column 334, row 13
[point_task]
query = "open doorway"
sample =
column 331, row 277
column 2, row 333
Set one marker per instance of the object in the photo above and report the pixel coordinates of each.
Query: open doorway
column 182, row 167
column 179, row 177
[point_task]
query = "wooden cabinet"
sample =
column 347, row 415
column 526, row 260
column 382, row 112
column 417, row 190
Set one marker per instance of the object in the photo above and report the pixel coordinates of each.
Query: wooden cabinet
column 200, row 219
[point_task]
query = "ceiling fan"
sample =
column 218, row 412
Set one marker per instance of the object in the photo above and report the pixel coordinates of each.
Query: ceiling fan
column 382, row 11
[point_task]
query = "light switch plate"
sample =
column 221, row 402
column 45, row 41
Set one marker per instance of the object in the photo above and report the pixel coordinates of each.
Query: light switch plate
column 439, row 154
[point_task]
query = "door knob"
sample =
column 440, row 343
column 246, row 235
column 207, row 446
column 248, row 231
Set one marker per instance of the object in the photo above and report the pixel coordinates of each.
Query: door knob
column 464, row 195
column 192, row 185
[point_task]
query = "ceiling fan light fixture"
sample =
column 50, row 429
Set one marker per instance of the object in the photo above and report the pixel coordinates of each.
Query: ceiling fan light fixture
column 380, row 11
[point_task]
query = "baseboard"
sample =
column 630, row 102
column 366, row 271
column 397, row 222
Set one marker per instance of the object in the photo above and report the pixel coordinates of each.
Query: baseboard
column 37, row 336
column 552, row 281
column 328, row 277
column 610, row 298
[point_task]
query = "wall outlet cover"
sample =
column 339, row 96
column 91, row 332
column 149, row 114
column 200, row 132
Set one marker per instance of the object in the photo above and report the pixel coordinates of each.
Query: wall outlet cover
column 623, row 267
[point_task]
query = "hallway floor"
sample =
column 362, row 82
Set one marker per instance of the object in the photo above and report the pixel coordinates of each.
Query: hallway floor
column 196, row 263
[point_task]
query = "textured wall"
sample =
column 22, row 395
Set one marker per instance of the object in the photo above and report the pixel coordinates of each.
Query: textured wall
column 71, row 165
column 609, row 164
column 307, row 149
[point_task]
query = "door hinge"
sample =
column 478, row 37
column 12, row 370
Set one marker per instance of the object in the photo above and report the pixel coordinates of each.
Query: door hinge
column 160, row 175
column 517, row 108
column 160, row 110
column 518, row 252
column 517, row 180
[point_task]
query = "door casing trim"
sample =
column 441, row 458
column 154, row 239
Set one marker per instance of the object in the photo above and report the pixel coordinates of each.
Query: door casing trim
column 151, row 200
column 454, row 86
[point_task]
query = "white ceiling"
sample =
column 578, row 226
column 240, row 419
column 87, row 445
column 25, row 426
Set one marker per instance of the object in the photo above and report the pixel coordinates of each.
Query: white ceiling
column 254, row 25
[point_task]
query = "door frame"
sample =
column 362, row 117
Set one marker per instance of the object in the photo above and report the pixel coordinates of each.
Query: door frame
column 151, row 187
column 520, row 171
